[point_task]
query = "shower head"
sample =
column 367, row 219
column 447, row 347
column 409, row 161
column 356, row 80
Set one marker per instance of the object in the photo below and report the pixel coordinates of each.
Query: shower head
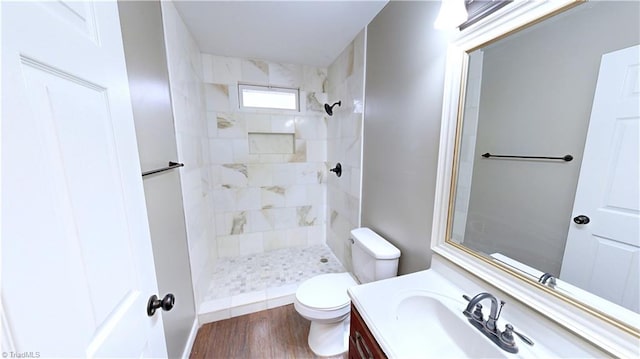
column 329, row 109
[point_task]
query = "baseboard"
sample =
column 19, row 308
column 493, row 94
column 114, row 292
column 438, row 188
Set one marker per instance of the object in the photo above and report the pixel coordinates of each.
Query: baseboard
column 191, row 339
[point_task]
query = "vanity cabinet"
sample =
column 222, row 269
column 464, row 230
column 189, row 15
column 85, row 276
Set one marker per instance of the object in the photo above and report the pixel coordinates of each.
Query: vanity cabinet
column 362, row 344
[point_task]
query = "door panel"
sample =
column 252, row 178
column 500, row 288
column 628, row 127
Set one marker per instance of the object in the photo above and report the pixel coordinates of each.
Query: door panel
column 77, row 266
column 75, row 116
column 602, row 256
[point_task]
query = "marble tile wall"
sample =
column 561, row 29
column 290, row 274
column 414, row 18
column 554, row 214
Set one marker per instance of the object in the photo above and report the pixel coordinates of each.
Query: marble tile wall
column 185, row 76
column 344, row 145
column 267, row 168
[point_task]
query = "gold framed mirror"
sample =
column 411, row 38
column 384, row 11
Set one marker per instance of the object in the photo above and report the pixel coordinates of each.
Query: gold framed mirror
column 490, row 215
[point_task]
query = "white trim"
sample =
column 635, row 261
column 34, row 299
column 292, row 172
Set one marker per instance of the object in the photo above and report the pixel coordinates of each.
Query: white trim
column 191, row 339
column 593, row 328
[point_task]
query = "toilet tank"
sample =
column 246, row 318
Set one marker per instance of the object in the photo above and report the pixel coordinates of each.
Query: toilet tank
column 373, row 258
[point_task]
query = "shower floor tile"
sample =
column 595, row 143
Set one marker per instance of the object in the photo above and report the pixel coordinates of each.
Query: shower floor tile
column 260, row 281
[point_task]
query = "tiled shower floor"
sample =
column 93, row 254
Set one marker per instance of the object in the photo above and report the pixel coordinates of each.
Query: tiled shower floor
column 261, row 281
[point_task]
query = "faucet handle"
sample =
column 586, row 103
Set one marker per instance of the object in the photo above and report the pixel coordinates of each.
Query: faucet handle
column 508, row 333
column 523, row 337
column 507, row 336
column 477, row 313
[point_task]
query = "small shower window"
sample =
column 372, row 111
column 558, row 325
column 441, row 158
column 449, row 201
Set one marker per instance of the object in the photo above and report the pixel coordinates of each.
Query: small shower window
column 252, row 96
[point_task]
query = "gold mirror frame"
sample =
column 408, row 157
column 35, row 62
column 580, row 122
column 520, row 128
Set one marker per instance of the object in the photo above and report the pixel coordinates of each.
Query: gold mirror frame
column 615, row 334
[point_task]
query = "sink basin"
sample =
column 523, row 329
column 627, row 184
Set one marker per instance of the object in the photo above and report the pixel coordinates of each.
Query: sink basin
column 428, row 324
column 419, row 315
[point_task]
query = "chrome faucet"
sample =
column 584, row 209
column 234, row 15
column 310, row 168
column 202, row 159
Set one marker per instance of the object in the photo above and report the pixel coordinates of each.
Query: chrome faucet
column 548, row 277
column 477, row 314
column 503, row 339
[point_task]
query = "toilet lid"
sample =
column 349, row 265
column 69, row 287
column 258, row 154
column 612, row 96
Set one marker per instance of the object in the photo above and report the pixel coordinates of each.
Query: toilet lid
column 326, row 291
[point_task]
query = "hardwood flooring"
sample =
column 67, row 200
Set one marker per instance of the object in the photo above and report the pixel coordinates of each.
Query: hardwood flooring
column 275, row 333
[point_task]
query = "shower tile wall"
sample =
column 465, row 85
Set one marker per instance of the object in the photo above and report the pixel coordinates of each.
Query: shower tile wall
column 344, row 144
column 267, row 167
column 185, row 76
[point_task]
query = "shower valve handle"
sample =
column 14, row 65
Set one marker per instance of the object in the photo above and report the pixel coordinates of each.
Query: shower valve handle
column 337, row 169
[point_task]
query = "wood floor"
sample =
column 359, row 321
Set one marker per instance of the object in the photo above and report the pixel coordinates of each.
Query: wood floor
column 275, row 333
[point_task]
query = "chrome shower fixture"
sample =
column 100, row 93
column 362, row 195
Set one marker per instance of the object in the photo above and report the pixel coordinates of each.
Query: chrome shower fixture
column 329, row 109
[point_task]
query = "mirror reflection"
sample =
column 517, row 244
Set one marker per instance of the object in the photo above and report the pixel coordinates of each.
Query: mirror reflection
column 568, row 85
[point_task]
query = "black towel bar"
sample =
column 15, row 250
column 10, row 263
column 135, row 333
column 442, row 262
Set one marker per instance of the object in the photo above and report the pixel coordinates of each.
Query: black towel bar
column 172, row 165
column 563, row 158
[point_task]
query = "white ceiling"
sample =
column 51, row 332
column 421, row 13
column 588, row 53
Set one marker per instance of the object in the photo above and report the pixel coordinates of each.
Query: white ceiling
column 297, row 32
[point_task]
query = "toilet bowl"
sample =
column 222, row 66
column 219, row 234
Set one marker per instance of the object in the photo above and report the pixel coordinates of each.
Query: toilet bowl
column 324, row 301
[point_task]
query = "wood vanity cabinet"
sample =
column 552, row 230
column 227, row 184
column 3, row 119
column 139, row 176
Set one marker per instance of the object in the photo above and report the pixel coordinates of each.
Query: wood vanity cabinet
column 362, row 344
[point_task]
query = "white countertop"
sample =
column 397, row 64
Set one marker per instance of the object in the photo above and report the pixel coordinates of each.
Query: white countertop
column 377, row 302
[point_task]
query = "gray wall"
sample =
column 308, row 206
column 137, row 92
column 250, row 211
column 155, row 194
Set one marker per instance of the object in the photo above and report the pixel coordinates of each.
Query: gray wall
column 145, row 55
column 405, row 64
column 536, row 97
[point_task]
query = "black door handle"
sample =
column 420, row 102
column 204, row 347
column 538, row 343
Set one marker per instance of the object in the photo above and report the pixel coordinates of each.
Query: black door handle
column 581, row 219
column 165, row 303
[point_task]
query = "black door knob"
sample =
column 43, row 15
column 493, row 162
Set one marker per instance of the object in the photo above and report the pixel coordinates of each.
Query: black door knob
column 581, row 219
column 165, row 303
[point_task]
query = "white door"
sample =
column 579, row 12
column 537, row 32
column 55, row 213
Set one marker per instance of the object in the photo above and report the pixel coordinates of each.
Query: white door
column 77, row 266
column 601, row 256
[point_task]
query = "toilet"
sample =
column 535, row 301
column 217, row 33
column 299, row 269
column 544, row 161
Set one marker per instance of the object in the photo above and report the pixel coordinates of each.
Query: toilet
column 324, row 301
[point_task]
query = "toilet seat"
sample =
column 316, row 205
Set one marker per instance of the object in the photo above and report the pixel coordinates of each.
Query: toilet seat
column 326, row 292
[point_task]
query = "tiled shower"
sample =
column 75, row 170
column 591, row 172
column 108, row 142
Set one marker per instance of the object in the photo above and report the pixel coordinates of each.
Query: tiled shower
column 262, row 210
column 267, row 167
